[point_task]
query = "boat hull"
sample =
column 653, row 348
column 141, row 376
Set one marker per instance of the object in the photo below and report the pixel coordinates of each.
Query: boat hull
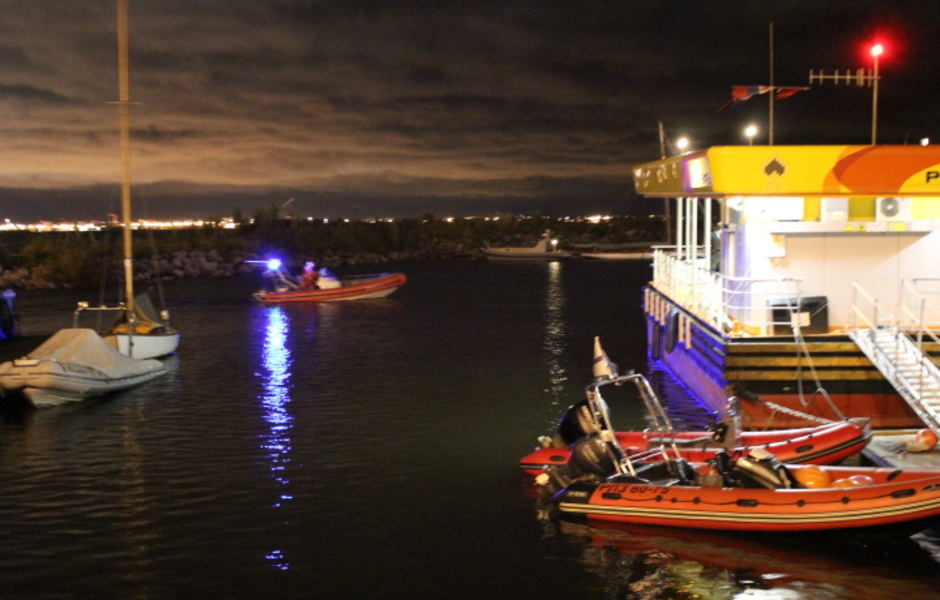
column 713, row 366
column 524, row 254
column 142, row 346
column 72, row 365
column 895, row 497
column 360, row 288
column 51, row 383
column 823, row 445
column 637, row 255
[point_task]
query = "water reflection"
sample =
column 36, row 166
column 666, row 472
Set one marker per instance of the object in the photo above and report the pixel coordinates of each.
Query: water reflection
column 554, row 340
column 644, row 562
column 276, row 359
column 685, row 410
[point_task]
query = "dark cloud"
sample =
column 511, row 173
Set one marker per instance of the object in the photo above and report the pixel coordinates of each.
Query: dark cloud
column 390, row 101
column 28, row 93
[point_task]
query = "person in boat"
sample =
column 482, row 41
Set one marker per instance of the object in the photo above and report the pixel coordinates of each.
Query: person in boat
column 308, row 281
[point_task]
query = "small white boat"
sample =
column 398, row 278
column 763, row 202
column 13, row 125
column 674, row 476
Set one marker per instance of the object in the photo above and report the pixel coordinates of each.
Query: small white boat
column 151, row 335
column 624, row 251
column 634, row 255
column 72, row 365
column 544, row 249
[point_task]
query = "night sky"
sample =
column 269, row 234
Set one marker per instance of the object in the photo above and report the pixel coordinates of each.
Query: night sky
column 406, row 107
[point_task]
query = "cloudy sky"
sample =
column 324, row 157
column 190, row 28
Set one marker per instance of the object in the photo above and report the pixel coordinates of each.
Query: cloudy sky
column 403, row 107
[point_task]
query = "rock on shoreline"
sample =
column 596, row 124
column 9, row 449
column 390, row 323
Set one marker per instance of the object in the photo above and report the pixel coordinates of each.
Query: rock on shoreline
column 197, row 264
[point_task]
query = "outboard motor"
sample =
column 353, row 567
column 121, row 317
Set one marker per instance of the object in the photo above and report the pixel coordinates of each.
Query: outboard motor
column 590, row 459
column 577, row 422
column 760, row 469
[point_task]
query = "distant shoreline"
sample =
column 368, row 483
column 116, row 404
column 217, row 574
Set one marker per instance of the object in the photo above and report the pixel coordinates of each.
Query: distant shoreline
column 80, row 260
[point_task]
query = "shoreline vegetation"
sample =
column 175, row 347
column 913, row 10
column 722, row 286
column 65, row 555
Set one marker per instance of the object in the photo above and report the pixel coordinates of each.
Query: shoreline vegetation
column 86, row 260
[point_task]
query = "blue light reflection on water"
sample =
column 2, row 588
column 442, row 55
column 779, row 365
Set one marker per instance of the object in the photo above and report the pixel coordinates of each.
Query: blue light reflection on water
column 276, row 359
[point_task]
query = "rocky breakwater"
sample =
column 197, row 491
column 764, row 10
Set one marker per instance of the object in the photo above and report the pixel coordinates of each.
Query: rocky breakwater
column 213, row 263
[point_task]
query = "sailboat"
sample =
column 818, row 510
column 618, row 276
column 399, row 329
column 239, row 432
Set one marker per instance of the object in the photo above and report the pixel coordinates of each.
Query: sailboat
column 78, row 363
column 140, row 331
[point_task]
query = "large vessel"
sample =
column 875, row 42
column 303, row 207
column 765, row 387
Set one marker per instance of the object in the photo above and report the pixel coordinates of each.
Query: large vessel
column 804, row 278
column 545, row 249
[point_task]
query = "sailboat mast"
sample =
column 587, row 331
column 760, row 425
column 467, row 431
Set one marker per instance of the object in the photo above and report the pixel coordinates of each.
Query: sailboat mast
column 124, row 102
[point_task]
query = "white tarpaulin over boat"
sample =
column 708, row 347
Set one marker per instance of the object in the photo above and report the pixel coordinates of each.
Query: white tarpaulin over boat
column 85, row 347
column 74, row 364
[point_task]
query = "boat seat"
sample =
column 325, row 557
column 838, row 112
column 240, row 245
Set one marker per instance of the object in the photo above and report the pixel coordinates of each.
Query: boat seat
column 675, row 471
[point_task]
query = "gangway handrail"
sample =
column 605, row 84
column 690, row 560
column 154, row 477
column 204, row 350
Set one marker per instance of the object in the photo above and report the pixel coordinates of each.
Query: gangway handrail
column 916, row 313
column 910, row 370
column 854, row 309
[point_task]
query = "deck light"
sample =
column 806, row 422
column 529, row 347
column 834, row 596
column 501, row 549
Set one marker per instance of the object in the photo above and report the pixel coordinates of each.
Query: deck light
column 750, row 131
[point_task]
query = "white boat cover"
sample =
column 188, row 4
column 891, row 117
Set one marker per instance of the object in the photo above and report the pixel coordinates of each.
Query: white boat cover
column 74, row 364
column 86, row 348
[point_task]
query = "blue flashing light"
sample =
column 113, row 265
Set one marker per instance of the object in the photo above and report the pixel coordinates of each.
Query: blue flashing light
column 274, row 264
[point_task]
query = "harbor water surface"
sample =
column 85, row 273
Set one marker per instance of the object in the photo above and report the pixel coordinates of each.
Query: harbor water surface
column 369, row 450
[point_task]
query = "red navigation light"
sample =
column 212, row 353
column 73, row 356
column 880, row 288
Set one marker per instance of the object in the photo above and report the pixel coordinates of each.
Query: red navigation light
column 877, row 50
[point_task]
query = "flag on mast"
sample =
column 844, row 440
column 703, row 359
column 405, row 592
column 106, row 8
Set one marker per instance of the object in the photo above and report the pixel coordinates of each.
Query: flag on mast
column 740, row 93
column 603, row 367
column 786, row 92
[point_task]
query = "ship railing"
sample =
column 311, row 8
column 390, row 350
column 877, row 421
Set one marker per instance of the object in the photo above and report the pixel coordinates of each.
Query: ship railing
column 734, row 305
column 764, row 306
column 867, row 315
column 886, row 338
column 919, row 309
column 690, row 283
column 85, row 306
column 919, row 318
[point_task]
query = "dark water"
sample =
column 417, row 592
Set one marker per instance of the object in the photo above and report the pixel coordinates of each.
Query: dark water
column 369, row 450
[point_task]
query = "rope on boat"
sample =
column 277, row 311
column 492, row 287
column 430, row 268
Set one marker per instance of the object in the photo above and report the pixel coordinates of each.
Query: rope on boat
column 803, row 350
column 777, row 408
column 794, row 413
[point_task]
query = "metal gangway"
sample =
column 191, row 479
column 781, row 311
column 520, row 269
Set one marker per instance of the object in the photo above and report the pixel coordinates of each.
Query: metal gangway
column 894, row 342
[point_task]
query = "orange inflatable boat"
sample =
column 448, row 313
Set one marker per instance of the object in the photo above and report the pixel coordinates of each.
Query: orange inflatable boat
column 823, row 445
column 782, row 498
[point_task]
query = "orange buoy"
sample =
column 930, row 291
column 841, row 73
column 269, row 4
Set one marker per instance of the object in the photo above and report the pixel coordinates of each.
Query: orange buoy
column 925, row 440
column 863, row 480
column 811, row 476
column 853, row 481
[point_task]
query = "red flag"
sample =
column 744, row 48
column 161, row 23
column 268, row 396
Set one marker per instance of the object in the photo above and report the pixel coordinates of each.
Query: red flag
column 739, row 93
column 786, row 92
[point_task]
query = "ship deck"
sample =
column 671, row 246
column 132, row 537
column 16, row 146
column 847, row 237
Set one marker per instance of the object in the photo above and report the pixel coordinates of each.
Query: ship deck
column 884, row 450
